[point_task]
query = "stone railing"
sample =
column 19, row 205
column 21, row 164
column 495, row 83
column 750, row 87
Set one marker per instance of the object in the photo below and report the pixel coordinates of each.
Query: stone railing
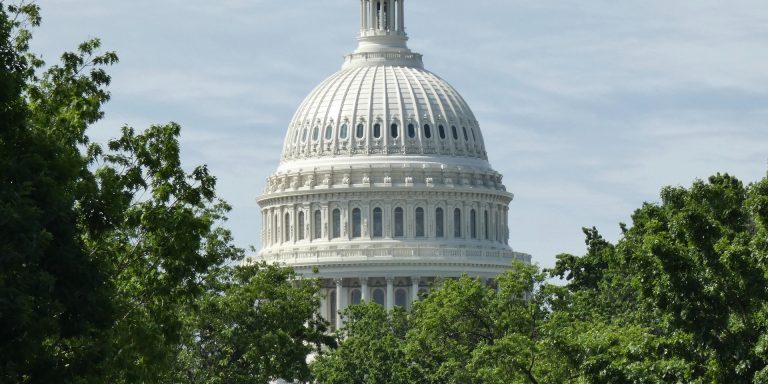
column 377, row 58
column 405, row 253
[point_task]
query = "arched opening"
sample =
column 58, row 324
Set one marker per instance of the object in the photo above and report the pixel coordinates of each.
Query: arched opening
column 394, row 131
column 336, row 223
column 315, row 133
column 376, row 131
column 464, row 129
column 454, row 133
column 328, row 132
column 441, row 131
column 377, row 222
column 287, row 228
column 399, row 230
column 318, row 225
column 419, row 222
column 427, row 131
column 485, row 226
column 356, row 223
column 304, row 135
column 457, row 222
column 439, row 223
column 472, row 224
column 401, row 297
column 360, row 131
column 300, row 229
column 378, row 296
column 355, row 296
column 411, row 131
column 343, row 132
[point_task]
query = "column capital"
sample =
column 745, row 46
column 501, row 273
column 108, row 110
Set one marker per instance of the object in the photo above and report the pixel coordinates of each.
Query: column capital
column 389, row 279
column 338, row 280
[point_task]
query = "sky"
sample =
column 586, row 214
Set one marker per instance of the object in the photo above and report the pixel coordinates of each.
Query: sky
column 588, row 107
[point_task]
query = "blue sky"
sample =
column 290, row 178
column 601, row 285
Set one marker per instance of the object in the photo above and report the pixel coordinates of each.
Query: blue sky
column 588, row 107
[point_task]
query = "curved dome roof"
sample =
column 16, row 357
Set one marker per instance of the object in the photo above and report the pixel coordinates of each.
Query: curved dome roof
column 384, row 103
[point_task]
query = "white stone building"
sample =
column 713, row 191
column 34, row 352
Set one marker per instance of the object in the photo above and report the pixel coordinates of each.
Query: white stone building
column 384, row 183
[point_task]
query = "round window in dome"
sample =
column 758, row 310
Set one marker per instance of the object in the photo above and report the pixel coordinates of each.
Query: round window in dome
column 411, row 131
column 441, row 131
column 315, row 133
column 360, row 131
column 329, row 132
column 454, row 132
column 394, row 131
column 377, row 130
column 427, row 131
column 343, row 132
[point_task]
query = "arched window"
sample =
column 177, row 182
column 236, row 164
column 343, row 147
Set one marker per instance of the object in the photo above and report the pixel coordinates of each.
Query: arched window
column 378, row 296
column 419, row 222
column 318, row 225
column 457, row 222
column 439, row 228
column 300, row 229
column 328, row 132
column 472, row 224
column 427, row 131
column 360, row 131
column 343, row 131
column 485, row 227
column 355, row 296
column 287, row 228
column 394, row 131
column 336, row 223
column 454, row 133
column 465, row 133
column 377, row 222
column 474, row 138
column 411, row 131
column 296, row 136
column 441, row 131
column 304, row 135
column 401, row 297
column 315, row 133
column 356, row 223
column 399, row 232
column 377, row 130
column 332, row 308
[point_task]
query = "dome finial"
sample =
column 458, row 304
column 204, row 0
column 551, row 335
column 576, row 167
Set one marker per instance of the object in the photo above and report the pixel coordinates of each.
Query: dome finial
column 382, row 36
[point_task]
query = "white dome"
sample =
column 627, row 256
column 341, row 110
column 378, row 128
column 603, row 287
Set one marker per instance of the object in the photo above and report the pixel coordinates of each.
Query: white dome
column 382, row 109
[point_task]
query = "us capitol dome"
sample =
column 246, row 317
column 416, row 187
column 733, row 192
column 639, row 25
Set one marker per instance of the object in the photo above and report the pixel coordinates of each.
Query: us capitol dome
column 384, row 183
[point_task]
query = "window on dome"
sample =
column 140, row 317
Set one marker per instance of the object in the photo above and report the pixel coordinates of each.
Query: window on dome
column 394, row 131
column 474, row 138
column 377, row 222
column 336, row 223
column 427, row 131
column 454, row 132
column 439, row 232
column 296, row 135
column 328, row 132
column 466, row 138
column 472, row 224
column 411, row 131
column 304, row 136
column 457, row 222
column 287, row 228
column 315, row 133
column 377, row 130
column 441, row 131
column 318, row 225
column 360, row 131
column 419, row 222
column 300, row 229
column 343, row 132
column 485, row 228
column 356, row 223
column 399, row 222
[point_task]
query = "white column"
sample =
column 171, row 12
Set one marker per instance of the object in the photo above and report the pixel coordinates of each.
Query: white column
column 339, row 298
column 390, row 300
column 400, row 15
column 363, row 288
column 362, row 15
column 324, row 303
column 414, row 287
column 391, row 15
column 374, row 21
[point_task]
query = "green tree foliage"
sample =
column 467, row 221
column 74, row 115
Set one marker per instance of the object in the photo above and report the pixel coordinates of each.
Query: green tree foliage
column 113, row 259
